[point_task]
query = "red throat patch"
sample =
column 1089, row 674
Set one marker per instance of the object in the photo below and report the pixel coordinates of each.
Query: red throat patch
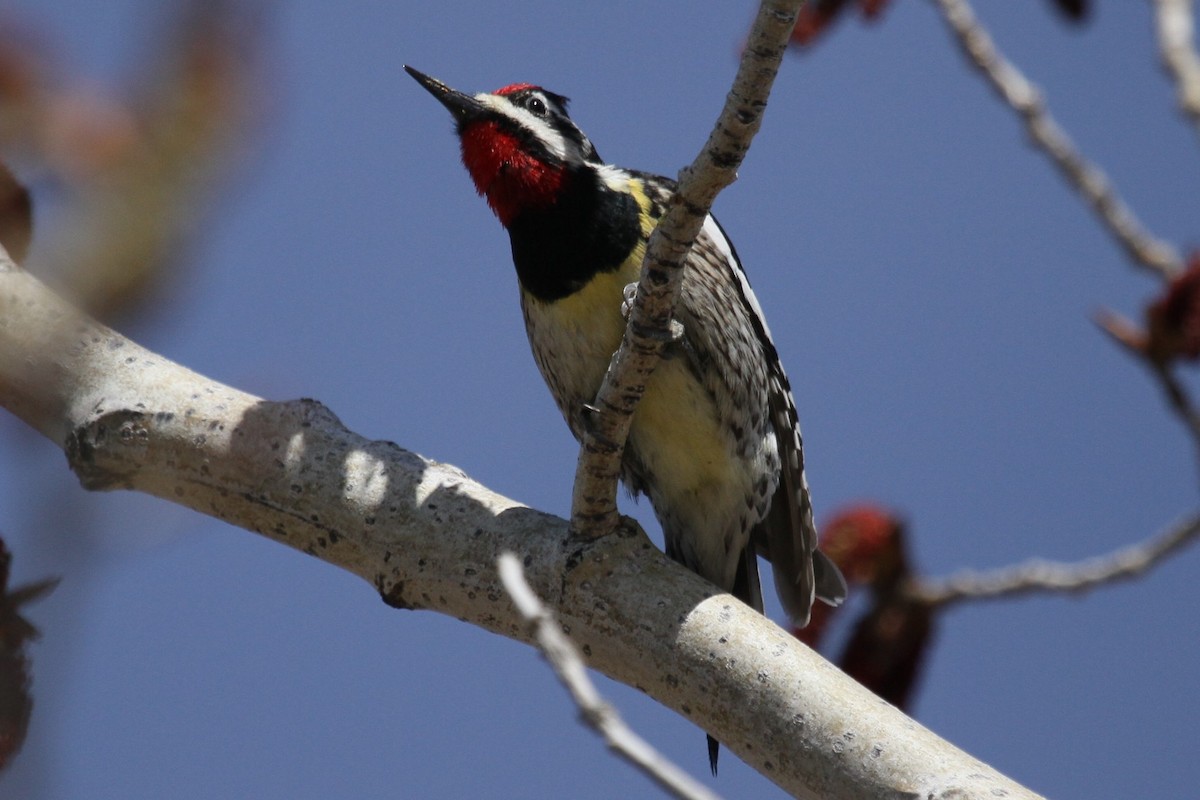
column 504, row 172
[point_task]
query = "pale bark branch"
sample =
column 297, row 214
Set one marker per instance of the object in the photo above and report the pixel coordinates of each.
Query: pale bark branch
column 1175, row 24
column 1039, row 577
column 426, row 536
column 594, row 500
column 1088, row 180
column 568, row 665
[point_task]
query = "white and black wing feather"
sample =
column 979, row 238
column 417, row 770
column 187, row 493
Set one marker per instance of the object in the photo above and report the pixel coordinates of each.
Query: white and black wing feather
column 762, row 401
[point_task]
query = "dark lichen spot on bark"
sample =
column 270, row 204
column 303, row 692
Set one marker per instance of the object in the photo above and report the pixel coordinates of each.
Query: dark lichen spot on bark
column 394, row 596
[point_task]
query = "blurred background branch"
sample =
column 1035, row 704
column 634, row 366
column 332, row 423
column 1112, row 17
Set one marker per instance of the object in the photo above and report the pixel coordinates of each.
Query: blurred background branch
column 1039, row 575
column 1176, row 28
column 121, row 180
column 1092, row 184
column 129, row 176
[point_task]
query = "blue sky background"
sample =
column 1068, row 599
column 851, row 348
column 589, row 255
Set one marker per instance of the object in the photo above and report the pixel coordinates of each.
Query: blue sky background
column 929, row 282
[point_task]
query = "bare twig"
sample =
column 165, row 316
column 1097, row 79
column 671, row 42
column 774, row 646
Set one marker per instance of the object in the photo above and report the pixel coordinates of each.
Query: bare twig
column 1045, row 576
column 1088, row 179
column 1176, row 32
column 1137, row 343
column 594, row 501
column 1180, row 400
column 568, row 665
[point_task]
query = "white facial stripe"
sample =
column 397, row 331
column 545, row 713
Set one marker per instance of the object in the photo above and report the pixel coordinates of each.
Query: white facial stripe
column 614, row 178
column 553, row 140
column 714, row 234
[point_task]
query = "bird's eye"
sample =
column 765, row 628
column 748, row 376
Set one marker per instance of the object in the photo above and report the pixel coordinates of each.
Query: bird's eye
column 536, row 105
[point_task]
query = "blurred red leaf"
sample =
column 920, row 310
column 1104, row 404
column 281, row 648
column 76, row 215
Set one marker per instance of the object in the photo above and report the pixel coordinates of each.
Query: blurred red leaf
column 1074, row 10
column 1172, row 321
column 887, row 648
column 16, row 215
column 867, row 542
column 16, row 704
column 816, row 17
column 888, row 642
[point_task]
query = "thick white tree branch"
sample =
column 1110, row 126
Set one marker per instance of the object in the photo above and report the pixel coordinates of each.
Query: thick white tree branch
column 594, row 501
column 1176, row 26
column 1088, row 180
column 426, row 536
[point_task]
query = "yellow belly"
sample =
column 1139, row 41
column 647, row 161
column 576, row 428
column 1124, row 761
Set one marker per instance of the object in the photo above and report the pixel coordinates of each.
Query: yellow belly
column 675, row 429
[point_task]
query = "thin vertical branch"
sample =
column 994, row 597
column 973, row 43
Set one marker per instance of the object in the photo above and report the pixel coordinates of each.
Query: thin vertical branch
column 594, row 501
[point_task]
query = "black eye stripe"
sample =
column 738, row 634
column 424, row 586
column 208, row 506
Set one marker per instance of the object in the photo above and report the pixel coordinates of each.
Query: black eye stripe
column 551, row 110
column 539, row 102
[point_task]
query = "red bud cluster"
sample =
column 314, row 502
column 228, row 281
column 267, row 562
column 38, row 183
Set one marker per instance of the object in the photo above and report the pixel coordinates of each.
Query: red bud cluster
column 888, row 642
column 1173, row 320
column 816, row 17
column 16, row 704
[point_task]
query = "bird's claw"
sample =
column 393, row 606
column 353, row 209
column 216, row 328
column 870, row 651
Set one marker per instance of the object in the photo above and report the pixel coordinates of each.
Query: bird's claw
column 628, row 295
column 674, row 332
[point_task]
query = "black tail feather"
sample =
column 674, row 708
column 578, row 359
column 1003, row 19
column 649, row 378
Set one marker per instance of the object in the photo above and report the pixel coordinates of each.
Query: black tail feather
column 714, row 750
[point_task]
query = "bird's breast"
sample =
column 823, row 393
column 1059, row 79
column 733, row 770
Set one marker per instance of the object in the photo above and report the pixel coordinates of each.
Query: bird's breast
column 574, row 338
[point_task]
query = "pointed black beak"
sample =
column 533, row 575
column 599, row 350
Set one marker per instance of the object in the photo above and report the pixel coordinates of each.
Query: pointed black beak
column 464, row 107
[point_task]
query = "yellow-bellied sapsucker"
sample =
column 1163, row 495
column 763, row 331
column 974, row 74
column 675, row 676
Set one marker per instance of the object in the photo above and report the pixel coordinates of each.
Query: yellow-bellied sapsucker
column 715, row 441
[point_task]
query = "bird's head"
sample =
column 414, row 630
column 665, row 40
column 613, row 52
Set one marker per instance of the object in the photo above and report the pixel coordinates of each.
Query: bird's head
column 518, row 143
